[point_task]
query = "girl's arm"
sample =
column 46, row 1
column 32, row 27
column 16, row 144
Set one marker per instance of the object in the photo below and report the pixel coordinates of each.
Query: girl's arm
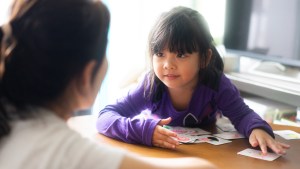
column 120, row 120
column 246, row 121
column 232, row 106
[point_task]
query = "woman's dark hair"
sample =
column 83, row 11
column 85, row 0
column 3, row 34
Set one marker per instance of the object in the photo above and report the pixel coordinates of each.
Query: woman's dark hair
column 55, row 39
column 185, row 30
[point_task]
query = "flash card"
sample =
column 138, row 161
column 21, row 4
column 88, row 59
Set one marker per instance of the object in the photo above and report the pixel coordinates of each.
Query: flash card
column 224, row 124
column 217, row 141
column 195, row 135
column 182, row 138
column 288, row 134
column 226, row 127
column 258, row 154
column 186, row 138
column 202, row 138
column 230, row 135
column 197, row 132
column 211, row 140
column 187, row 130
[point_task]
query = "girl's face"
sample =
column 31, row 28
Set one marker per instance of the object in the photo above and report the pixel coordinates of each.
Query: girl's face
column 177, row 70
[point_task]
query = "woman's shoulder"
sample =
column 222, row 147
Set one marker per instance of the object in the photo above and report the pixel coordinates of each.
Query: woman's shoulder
column 48, row 138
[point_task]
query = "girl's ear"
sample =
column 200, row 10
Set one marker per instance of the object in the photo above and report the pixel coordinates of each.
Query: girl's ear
column 207, row 59
column 209, row 55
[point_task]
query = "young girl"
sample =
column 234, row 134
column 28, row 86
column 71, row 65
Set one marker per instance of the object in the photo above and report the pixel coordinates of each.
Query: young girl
column 52, row 64
column 186, row 87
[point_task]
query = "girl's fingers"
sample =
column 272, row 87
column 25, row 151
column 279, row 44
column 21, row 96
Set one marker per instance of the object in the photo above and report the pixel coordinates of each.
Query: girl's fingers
column 165, row 121
column 263, row 146
column 169, row 138
column 278, row 148
column 264, row 140
column 165, row 144
column 286, row 146
column 172, row 141
column 253, row 141
column 167, row 132
column 164, row 138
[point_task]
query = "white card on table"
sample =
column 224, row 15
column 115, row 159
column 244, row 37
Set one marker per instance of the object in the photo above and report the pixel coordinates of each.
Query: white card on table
column 230, row 135
column 258, row 154
column 288, row 134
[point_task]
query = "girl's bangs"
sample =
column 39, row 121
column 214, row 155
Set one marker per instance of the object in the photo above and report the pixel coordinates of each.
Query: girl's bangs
column 178, row 38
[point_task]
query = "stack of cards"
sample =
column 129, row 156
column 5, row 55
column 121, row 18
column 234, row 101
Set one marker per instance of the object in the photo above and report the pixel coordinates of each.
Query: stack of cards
column 230, row 135
column 211, row 140
column 225, row 125
column 186, row 134
column 197, row 135
column 186, row 130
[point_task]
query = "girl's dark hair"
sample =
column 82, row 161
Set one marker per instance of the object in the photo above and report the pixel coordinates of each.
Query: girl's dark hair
column 55, row 40
column 185, row 30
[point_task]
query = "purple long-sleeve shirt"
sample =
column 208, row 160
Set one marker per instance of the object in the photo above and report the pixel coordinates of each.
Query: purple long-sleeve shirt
column 120, row 120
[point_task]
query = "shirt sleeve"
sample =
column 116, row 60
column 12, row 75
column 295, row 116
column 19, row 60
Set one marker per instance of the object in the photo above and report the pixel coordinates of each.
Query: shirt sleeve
column 120, row 120
column 241, row 115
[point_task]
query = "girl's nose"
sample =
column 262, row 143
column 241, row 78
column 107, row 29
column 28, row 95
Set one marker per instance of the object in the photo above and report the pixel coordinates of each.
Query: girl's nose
column 170, row 62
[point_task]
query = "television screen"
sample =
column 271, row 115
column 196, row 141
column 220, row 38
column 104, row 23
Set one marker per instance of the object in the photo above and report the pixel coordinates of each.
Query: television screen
column 264, row 29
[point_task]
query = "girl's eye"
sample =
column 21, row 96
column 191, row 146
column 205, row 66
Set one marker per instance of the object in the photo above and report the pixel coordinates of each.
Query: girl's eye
column 159, row 54
column 181, row 55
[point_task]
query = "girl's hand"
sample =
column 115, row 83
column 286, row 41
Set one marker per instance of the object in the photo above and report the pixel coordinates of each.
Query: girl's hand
column 163, row 137
column 264, row 140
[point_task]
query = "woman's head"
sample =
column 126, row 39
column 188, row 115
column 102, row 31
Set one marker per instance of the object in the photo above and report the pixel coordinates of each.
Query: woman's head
column 55, row 39
column 50, row 44
column 184, row 30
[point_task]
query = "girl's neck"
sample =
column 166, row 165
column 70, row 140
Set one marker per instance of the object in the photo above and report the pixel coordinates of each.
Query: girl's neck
column 181, row 97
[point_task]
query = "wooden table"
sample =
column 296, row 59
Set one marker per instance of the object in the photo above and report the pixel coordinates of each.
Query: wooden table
column 224, row 156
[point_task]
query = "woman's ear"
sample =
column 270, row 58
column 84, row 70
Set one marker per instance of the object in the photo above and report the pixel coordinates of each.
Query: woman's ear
column 91, row 79
column 78, row 93
column 85, row 80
